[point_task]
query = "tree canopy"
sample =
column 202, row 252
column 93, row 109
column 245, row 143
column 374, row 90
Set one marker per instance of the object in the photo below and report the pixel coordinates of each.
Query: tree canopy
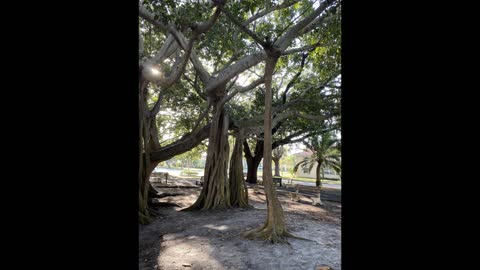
column 205, row 69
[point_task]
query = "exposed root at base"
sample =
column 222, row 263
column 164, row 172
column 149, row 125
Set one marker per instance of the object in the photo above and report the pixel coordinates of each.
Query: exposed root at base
column 195, row 208
column 270, row 235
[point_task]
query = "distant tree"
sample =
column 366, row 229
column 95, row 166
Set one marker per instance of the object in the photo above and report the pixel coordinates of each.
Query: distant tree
column 277, row 154
column 326, row 153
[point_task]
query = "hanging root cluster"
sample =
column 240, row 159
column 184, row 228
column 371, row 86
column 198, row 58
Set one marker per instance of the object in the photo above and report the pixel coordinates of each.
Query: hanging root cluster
column 215, row 193
column 238, row 188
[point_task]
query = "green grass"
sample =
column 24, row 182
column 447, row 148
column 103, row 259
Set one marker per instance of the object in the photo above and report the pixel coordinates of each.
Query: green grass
column 190, row 172
column 286, row 175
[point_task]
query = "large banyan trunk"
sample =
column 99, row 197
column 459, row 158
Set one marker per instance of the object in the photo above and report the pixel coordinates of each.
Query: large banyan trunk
column 238, row 188
column 145, row 167
column 274, row 228
column 148, row 140
column 215, row 193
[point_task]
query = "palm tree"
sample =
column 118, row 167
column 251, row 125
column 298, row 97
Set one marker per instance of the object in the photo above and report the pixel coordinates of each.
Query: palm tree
column 326, row 153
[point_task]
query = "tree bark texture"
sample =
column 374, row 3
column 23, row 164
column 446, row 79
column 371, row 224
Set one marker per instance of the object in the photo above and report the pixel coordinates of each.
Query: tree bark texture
column 215, row 193
column 274, row 229
column 238, row 188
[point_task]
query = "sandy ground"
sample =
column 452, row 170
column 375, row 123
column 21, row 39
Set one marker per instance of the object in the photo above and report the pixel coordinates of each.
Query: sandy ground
column 212, row 240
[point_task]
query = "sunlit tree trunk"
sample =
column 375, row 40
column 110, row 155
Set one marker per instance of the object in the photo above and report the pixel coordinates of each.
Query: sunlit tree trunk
column 274, row 228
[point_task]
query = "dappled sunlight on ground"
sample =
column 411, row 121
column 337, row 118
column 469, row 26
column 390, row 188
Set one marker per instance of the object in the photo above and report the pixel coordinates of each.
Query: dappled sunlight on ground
column 213, row 239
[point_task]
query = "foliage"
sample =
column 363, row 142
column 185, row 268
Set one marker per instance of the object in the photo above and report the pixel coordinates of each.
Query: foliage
column 325, row 153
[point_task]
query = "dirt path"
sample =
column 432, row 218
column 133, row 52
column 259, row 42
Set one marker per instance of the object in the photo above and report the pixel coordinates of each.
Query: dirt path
column 212, row 240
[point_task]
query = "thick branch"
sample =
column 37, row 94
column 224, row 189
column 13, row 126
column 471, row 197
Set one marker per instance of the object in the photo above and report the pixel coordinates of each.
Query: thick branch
column 177, row 70
column 264, row 12
column 283, row 42
column 146, row 15
column 197, row 64
column 156, row 108
column 203, row 27
column 292, row 82
column 198, row 28
column 246, row 149
column 231, row 71
column 167, row 49
column 303, row 49
column 229, row 62
column 325, row 18
column 181, row 146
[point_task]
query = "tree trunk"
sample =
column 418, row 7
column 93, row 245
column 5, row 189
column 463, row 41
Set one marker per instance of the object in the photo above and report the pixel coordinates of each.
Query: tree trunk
column 152, row 192
column 253, row 161
column 252, row 168
column 145, row 191
column 215, row 193
column 238, row 188
column 144, row 161
column 277, row 166
column 318, row 180
column 274, row 228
